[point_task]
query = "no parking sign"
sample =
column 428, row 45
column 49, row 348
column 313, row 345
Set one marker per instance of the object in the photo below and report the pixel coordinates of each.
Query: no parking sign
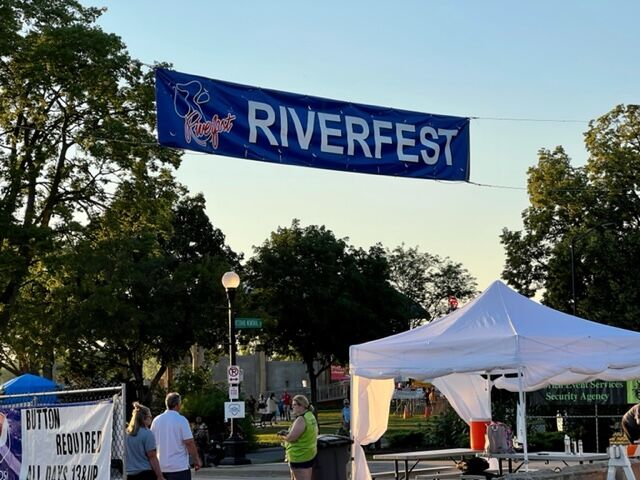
column 233, row 374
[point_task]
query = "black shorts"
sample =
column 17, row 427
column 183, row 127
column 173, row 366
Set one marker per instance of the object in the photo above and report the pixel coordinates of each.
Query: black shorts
column 307, row 464
column 183, row 475
column 144, row 475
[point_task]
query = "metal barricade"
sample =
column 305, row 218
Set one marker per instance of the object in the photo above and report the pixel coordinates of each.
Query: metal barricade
column 91, row 395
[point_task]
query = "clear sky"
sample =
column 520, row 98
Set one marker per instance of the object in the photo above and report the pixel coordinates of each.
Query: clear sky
column 566, row 61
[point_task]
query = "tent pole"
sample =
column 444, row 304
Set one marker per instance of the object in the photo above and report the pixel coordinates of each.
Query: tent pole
column 354, row 420
column 523, row 406
column 489, row 387
column 597, row 435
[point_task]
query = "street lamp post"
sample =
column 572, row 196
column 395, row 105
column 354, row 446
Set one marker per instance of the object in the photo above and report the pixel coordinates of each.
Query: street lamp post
column 234, row 447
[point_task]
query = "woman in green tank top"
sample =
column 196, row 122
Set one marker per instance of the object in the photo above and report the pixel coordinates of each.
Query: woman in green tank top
column 301, row 441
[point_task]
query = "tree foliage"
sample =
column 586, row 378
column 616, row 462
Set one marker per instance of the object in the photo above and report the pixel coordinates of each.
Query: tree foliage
column 320, row 296
column 593, row 210
column 144, row 282
column 76, row 117
column 105, row 262
column 429, row 280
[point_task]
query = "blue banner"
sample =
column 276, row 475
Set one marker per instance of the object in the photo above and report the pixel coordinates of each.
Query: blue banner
column 223, row 118
column 10, row 443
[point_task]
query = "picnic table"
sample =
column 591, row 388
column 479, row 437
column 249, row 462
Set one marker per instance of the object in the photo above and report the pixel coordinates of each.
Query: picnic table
column 414, row 458
column 546, row 457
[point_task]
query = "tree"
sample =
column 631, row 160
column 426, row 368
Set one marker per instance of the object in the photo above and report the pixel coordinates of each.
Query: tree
column 429, row 280
column 593, row 211
column 144, row 282
column 76, row 117
column 28, row 339
column 319, row 296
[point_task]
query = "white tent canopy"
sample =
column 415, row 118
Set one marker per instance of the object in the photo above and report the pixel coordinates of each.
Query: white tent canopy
column 499, row 332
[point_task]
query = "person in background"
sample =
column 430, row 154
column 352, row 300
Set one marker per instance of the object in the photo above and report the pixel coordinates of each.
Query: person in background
column 300, row 442
column 434, row 404
column 272, row 407
column 281, row 409
column 433, row 397
column 175, row 441
column 142, row 461
column 251, row 407
column 631, row 424
column 201, row 437
column 346, row 415
column 262, row 409
column 286, row 398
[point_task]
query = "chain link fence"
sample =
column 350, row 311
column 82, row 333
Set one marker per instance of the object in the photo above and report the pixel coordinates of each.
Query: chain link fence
column 599, row 430
column 77, row 397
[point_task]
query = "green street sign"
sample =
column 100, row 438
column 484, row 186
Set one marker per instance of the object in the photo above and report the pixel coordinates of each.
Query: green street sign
column 248, row 323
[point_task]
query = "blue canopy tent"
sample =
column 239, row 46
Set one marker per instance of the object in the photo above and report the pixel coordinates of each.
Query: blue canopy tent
column 28, row 383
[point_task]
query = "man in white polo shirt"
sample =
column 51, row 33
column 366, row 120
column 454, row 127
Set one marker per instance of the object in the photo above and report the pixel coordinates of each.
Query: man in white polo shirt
column 174, row 441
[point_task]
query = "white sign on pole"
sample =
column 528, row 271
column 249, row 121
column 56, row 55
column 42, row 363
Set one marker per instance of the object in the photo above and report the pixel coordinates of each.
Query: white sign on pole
column 67, row 442
column 233, row 410
column 233, row 374
column 234, row 392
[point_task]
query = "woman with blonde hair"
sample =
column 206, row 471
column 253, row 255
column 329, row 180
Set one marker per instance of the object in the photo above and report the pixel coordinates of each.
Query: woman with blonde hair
column 301, row 440
column 142, row 461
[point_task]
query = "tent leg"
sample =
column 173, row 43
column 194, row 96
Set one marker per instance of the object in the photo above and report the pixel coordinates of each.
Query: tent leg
column 489, row 387
column 523, row 409
column 354, row 419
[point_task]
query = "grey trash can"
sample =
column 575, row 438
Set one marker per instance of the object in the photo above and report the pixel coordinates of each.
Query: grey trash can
column 334, row 453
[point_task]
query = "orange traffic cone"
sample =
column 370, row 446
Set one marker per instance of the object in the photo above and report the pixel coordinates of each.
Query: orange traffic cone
column 405, row 413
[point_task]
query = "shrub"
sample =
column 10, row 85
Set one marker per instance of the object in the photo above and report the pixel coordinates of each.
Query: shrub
column 446, row 431
column 406, row 440
column 546, row 441
column 438, row 431
column 193, row 381
column 209, row 404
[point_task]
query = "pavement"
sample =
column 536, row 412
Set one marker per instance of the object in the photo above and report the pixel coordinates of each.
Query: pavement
column 269, row 463
column 265, row 463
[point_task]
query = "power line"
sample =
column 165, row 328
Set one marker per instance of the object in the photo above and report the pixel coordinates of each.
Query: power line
column 539, row 120
column 477, row 184
column 489, row 185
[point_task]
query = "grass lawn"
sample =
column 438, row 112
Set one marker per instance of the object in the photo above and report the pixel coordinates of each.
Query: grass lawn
column 330, row 421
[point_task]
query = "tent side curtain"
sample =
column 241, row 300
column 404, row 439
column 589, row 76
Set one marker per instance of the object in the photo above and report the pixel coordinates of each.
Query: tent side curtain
column 370, row 400
column 468, row 394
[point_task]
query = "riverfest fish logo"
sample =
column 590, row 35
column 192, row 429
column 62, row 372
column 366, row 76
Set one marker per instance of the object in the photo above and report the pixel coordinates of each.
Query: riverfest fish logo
column 188, row 99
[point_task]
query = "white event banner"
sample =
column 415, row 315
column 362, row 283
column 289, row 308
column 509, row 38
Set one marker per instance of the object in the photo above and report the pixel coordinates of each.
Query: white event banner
column 67, row 443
